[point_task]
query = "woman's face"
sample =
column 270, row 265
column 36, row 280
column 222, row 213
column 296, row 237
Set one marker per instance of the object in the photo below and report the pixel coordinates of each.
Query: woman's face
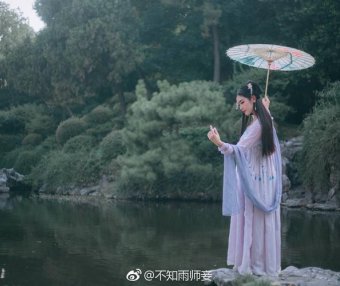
column 245, row 104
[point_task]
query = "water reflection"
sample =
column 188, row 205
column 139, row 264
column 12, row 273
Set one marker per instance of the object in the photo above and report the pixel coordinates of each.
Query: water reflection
column 311, row 239
column 76, row 243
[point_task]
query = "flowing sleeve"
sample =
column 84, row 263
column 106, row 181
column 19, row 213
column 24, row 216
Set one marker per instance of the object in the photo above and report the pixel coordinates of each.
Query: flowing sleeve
column 250, row 138
column 237, row 159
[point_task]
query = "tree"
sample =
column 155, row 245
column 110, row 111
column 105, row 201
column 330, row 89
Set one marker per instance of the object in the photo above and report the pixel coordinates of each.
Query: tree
column 168, row 153
column 13, row 29
column 86, row 49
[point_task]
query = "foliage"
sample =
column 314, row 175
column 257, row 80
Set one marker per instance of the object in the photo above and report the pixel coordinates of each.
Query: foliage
column 69, row 128
column 112, row 145
column 13, row 29
column 8, row 142
column 80, row 142
column 10, row 124
column 25, row 161
column 32, row 139
column 26, row 119
column 98, row 115
column 96, row 41
column 85, row 64
column 321, row 146
column 61, row 169
column 101, row 130
column 167, row 148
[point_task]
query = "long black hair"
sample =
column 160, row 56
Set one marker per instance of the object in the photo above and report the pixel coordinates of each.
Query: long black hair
column 251, row 88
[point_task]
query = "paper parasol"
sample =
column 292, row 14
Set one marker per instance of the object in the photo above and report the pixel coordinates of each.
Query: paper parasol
column 271, row 57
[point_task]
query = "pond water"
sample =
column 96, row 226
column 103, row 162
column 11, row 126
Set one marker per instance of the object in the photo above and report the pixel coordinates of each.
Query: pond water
column 58, row 242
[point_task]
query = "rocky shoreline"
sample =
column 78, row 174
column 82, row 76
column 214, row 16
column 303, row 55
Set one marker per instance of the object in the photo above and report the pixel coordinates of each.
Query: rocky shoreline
column 290, row 276
column 294, row 194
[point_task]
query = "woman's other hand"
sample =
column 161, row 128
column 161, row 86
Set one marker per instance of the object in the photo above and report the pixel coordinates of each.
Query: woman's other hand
column 214, row 136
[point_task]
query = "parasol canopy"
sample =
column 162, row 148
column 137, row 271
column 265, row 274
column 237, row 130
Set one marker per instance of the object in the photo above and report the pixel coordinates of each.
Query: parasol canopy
column 271, row 57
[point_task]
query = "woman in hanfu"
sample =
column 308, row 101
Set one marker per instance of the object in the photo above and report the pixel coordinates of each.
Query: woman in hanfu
column 252, row 187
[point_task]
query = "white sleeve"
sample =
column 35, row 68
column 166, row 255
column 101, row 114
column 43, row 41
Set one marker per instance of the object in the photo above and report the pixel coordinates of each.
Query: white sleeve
column 251, row 137
column 225, row 149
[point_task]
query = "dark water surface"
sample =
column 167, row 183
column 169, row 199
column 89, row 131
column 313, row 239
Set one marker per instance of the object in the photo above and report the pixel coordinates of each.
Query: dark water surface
column 50, row 242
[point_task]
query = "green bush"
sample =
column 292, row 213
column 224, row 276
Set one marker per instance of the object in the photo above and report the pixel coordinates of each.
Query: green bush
column 99, row 115
column 168, row 153
column 8, row 159
column 47, row 145
column 112, row 145
column 100, row 131
column 25, row 161
column 321, row 145
column 69, row 128
column 32, row 139
column 77, row 143
column 27, row 118
column 56, row 169
column 61, row 169
column 42, row 124
column 9, row 124
column 9, row 142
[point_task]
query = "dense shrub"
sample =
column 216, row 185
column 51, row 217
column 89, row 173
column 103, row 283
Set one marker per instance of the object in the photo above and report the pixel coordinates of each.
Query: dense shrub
column 168, row 153
column 100, row 130
column 9, row 124
column 42, row 124
column 25, row 119
column 55, row 169
column 8, row 159
column 69, row 128
column 60, row 169
column 9, row 142
column 321, row 145
column 77, row 143
column 25, row 161
column 32, row 139
column 112, row 145
column 98, row 115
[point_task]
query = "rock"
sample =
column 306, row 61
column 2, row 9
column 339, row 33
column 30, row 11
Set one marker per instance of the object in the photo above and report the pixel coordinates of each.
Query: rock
column 310, row 276
column 331, row 193
column 285, row 183
column 295, row 203
column 289, row 148
column 328, row 206
column 297, row 197
column 290, row 152
column 284, row 198
column 285, row 162
column 89, row 191
column 292, row 276
column 334, row 178
column 222, row 276
column 9, row 178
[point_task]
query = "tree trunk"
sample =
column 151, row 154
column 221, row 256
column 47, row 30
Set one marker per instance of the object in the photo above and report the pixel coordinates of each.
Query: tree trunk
column 217, row 60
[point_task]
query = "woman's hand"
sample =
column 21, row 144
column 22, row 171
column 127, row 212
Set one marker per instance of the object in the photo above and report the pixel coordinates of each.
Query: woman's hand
column 266, row 102
column 214, row 136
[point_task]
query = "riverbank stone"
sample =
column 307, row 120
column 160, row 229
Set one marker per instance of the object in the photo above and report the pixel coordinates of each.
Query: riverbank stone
column 9, row 178
column 290, row 276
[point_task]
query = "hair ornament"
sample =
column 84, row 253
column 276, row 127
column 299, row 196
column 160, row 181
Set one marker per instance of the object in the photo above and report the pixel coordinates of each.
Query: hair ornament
column 250, row 86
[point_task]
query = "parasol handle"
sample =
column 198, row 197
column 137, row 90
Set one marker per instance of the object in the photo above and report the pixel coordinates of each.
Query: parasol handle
column 266, row 90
